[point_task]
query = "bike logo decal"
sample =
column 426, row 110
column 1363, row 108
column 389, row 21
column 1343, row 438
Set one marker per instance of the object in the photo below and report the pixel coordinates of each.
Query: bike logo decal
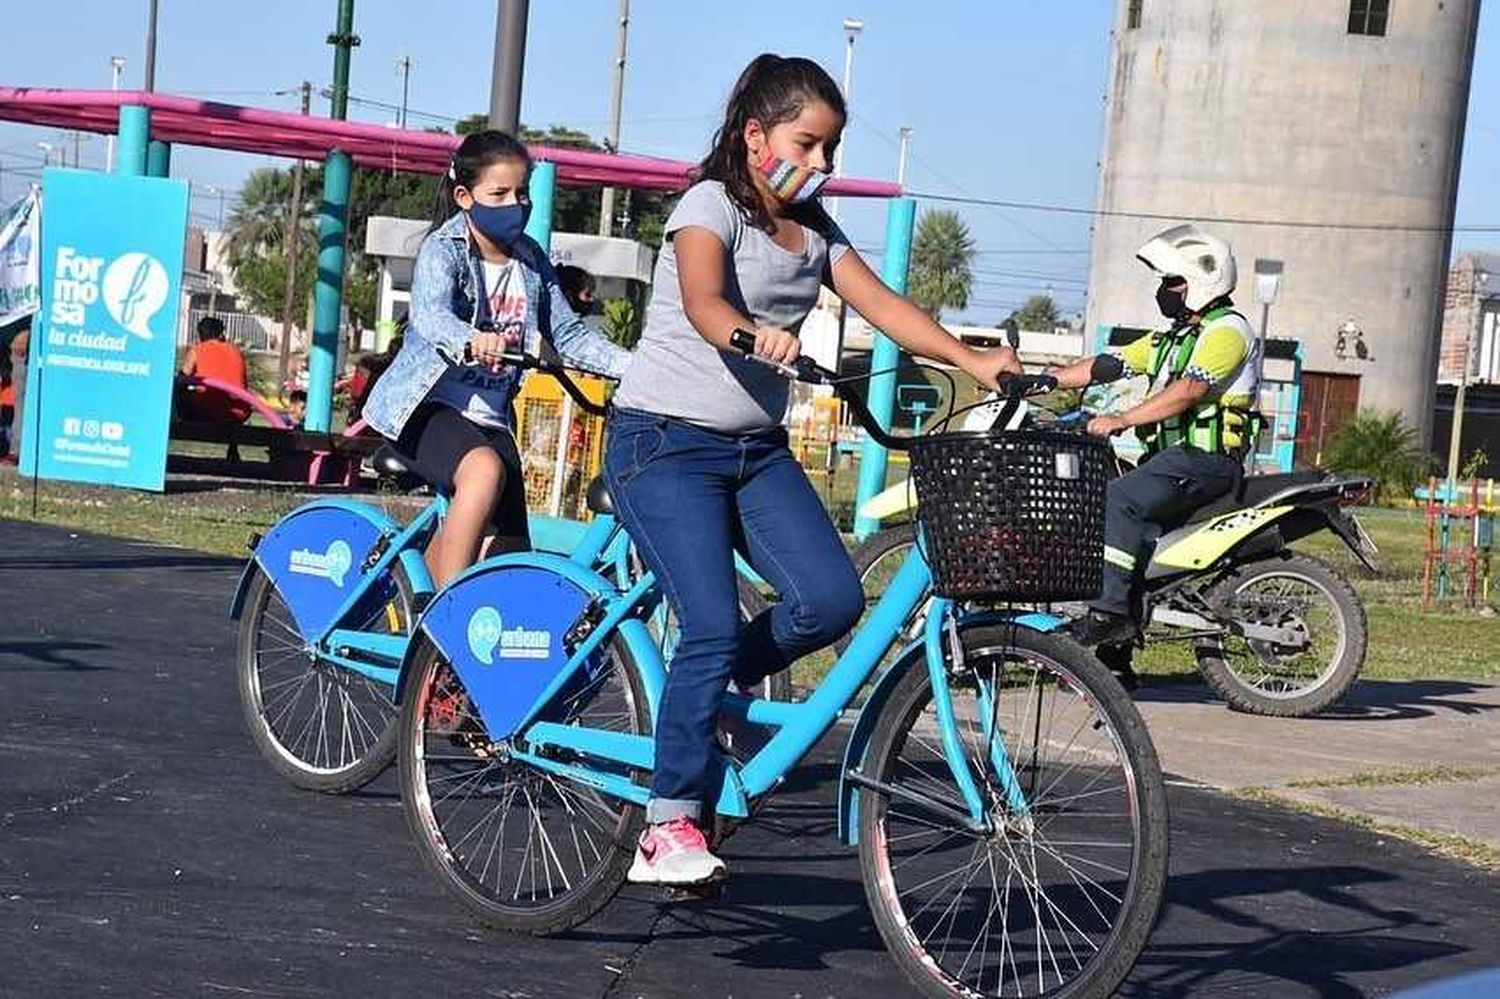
column 332, row 565
column 489, row 639
column 135, row 289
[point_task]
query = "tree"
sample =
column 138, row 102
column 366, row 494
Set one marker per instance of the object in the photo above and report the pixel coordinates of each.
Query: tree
column 1381, row 446
column 255, row 240
column 940, row 259
column 1038, row 314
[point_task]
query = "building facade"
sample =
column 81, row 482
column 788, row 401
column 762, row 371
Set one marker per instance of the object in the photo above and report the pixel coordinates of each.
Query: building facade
column 1323, row 135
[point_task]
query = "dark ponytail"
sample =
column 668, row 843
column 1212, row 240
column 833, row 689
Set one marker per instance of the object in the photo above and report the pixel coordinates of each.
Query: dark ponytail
column 771, row 90
column 472, row 157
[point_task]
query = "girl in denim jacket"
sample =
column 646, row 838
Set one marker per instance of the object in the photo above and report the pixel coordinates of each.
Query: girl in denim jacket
column 479, row 282
column 696, row 458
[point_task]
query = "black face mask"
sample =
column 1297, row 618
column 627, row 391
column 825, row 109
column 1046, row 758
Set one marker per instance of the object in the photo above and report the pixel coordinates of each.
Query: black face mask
column 1170, row 302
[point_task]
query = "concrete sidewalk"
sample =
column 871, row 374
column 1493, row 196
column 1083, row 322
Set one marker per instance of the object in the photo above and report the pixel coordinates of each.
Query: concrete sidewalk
column 1423, row 754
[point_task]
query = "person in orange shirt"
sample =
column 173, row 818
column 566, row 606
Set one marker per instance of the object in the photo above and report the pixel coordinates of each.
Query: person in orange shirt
column 214, row 357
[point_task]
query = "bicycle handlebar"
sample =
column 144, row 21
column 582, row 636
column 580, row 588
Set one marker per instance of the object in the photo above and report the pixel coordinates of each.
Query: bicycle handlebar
column 556, row 371
column 805, row 369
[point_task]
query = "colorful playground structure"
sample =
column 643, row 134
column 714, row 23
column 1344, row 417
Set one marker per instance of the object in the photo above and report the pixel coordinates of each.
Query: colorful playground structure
column 1460, row 538
column 148, row 124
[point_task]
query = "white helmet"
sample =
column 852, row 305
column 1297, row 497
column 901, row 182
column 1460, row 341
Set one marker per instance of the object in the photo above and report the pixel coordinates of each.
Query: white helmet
column 1206, row 262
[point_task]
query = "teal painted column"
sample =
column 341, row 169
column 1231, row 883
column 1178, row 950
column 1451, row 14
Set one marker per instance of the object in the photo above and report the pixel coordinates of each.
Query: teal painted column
column 327, row 296
column 158, row 159
column 900, row 221
column 543, row 189
column 135, row 135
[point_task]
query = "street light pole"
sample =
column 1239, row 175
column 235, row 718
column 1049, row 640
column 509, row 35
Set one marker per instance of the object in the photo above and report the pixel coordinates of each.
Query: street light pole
column 906, row 134
column 117, row 68
column 1477, row 281
column 852, row 28
column 509, row 65
column 151, row 48
column 616, row 98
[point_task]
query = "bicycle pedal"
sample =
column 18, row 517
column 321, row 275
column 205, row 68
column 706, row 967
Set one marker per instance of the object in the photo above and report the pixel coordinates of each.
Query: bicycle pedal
column 707, row 891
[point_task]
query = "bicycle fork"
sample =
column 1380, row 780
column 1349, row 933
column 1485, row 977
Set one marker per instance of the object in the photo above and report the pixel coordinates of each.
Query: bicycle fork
column 942, row 626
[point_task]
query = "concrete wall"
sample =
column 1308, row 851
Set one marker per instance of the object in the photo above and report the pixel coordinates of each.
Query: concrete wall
column 1272, row 111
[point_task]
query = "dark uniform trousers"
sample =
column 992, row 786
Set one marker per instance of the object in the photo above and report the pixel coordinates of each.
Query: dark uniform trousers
column 1163, row 491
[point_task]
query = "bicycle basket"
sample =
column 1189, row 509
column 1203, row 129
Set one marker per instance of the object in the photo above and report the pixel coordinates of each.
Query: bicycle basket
column 1012, row 515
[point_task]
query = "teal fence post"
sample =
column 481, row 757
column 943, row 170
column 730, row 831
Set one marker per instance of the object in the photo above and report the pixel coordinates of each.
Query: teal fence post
column 900, row 220
column 135, row 135
column 158, row 159
column 323, row 355
column 543, row 189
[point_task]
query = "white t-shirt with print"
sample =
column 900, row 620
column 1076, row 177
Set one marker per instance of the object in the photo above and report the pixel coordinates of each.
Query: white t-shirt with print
column 480, row 394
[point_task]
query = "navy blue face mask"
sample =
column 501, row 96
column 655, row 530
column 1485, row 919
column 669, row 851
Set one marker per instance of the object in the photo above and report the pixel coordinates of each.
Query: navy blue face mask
column 503, row 224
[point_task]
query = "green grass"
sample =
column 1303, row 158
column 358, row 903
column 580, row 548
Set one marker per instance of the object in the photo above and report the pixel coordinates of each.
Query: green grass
column 1470, row 851
column 1403, row 775
column 217, row 522
column 1405, row 641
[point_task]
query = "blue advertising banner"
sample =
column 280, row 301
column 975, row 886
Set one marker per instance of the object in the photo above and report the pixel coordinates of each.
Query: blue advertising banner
column 103, row 346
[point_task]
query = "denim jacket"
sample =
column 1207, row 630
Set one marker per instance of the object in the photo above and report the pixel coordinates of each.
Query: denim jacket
column 445, row 305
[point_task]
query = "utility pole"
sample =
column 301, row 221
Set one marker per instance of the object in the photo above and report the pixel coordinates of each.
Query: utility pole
column 151, row 48
column 906, row 134
column 343, row 41
column 117, row 67
column 617, row 94
column 293, row 231
column 404, row 65
column 509, row 65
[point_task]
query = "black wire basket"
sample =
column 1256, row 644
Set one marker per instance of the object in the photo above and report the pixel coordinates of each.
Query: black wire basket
column 1012, row 515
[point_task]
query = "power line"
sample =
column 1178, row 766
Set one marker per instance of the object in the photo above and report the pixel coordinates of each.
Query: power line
column 1217, row 219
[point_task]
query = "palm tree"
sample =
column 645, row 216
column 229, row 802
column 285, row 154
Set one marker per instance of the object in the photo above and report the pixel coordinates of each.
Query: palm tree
column 941, row 254
column 255, row 237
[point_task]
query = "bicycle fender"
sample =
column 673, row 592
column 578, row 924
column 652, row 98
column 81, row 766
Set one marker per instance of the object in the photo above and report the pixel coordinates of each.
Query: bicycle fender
column 503, row 627
column 314, row 557
column 864, row 726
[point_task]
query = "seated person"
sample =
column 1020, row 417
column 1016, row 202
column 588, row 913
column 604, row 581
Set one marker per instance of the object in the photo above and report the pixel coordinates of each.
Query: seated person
column 1194, row 421
column 213, row 357
column 296, row 408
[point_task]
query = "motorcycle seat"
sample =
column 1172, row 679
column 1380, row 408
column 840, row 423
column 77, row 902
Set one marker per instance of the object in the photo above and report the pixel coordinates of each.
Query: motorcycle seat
column 1255, row 489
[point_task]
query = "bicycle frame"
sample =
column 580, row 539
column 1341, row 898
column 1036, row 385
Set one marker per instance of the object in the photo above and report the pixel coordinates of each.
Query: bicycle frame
column 798, row 726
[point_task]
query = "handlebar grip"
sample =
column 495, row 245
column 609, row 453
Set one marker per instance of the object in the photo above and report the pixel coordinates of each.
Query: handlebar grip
column 743, row 341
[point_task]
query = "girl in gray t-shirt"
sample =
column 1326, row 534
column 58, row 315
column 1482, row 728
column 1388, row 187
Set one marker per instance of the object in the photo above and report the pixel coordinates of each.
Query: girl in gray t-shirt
column 696, row 458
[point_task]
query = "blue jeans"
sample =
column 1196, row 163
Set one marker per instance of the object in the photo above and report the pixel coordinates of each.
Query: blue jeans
column 690, row 497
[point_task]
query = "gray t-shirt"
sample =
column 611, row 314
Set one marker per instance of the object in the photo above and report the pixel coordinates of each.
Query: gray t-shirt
column 678, row 373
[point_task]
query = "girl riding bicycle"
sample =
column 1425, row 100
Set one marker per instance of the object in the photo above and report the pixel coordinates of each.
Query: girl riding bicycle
column 696, row 458
column 480, row 282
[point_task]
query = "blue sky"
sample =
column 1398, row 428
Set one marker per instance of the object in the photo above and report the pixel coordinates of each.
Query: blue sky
column 1004, row 97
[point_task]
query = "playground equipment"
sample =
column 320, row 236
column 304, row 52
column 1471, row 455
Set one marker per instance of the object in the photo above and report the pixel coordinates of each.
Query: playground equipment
column 149, row 123
column 1460, row 538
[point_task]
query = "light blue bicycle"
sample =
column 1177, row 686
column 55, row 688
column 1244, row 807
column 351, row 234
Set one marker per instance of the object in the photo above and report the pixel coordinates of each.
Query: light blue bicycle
column 326, row 607
column 1002, row 789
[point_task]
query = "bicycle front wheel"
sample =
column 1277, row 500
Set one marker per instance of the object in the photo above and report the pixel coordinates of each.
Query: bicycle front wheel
column 1057, row 899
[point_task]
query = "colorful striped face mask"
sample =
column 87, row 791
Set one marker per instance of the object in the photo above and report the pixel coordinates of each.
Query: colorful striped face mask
column 792, row 184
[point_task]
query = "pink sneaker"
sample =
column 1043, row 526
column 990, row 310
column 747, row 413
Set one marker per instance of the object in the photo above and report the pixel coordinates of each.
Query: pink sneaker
column 674, row 853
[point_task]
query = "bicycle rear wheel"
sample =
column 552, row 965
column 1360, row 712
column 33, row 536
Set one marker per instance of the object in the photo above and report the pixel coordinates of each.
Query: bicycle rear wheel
column 1058, row 899
column 323, row 727
column 521, row 848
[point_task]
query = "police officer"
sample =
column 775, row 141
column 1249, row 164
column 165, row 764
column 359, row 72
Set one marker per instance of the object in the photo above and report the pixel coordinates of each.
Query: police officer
column 1194, row 422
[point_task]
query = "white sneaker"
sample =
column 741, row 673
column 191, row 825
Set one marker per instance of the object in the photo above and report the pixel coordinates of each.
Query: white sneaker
column 675, row 853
